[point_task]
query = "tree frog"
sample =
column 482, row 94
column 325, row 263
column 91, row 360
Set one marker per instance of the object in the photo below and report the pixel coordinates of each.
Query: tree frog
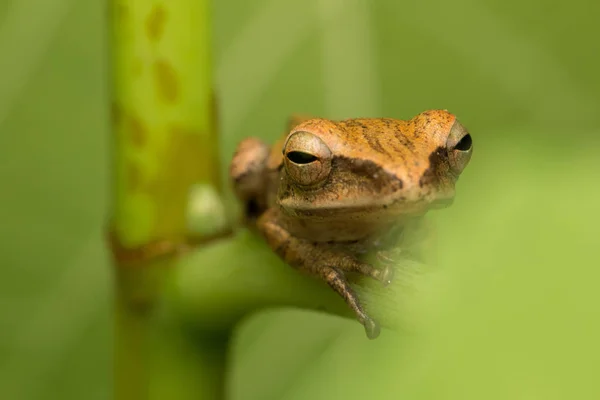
column 329, row 191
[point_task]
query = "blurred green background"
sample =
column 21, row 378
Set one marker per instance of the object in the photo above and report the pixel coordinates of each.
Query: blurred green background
column 521, row 313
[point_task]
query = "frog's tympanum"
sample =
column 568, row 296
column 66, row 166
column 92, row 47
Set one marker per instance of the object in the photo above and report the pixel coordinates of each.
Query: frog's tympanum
column 329, row 191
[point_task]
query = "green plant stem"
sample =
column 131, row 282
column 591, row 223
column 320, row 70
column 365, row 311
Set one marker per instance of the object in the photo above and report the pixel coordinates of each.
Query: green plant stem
column 251, row 277
column 164, row 140
column 163, row 116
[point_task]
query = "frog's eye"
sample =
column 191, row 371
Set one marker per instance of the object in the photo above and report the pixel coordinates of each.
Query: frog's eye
column 299, row 157
column 465, row 144
column 460, row 147
column 307, row 158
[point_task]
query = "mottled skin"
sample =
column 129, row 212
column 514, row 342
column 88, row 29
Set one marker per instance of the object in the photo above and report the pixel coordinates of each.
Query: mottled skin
column 328, row 191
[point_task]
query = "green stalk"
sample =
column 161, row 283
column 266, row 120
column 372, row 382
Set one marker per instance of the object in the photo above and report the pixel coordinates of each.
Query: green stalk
column 251, row 277
column 163, row 116
column 164, row 142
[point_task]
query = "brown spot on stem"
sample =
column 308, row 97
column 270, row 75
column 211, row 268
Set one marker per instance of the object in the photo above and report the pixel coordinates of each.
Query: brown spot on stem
column 167, row 84
column 134, row 177
column 155, row 22
column 190, row 159
column 137, row 131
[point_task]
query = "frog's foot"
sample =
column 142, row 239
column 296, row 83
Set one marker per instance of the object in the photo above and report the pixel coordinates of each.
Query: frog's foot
column 385, row 275
column 325, row 263
column 337, row 281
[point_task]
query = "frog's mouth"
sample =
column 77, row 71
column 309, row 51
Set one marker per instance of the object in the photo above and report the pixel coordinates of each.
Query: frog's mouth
column 384, row 208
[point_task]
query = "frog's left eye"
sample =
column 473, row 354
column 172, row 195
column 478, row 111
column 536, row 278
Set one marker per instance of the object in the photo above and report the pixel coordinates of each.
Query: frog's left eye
column 460, row 147
column 307, row 158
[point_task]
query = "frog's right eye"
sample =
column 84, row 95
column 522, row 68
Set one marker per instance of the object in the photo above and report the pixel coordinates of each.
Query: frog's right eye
column 307, row 158
column 460, row 147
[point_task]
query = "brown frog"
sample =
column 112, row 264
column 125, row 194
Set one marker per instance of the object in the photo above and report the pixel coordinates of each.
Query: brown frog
column 329, row 191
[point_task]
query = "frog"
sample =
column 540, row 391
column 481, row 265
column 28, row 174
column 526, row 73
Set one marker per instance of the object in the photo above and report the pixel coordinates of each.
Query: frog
column 329, row 191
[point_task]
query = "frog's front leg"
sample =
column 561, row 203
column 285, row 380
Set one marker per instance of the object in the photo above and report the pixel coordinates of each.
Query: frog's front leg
column 321, row 260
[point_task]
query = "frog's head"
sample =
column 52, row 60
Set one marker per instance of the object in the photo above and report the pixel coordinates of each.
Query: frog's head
column 382, row 167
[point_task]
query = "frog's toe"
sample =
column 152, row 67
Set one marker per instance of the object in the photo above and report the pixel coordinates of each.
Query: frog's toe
column 372, row 328
column 386, row 275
